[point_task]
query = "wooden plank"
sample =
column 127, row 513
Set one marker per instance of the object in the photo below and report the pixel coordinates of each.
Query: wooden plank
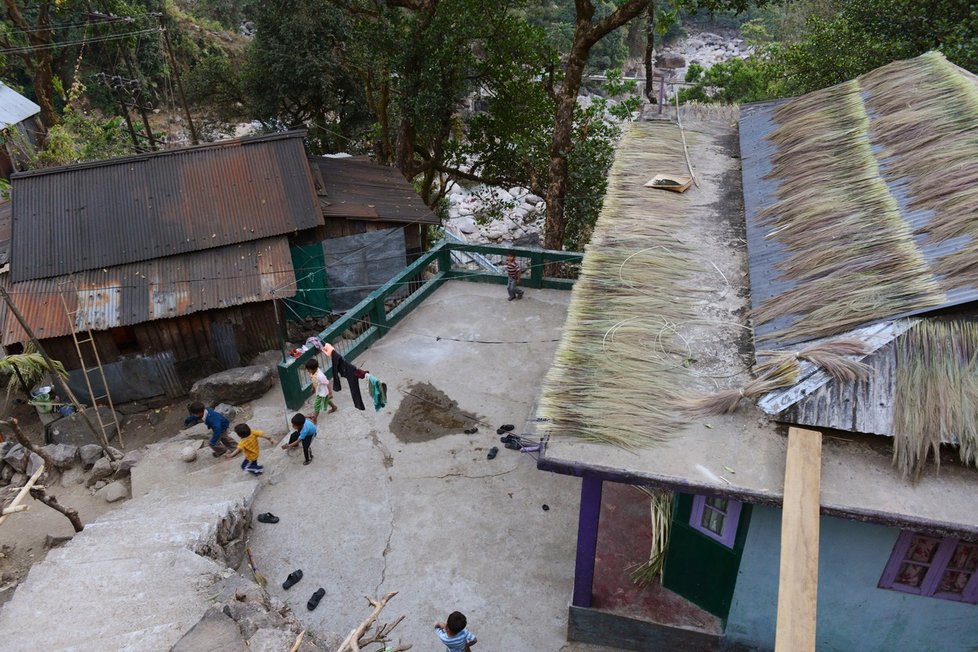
column 798, row 584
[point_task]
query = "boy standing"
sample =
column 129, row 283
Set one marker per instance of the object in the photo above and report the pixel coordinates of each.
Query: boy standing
column 250, row 446
column 513, row 272
column 454, row 635
column 303, row 431
column 324, row 393
column 219, row 442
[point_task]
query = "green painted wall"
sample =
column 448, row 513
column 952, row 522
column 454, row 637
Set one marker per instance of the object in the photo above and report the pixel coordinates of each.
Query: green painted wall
column 853, row 614
column 311, row 296
column 698, row 568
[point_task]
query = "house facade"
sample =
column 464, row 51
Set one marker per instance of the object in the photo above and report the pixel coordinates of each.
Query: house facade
column 844, row 302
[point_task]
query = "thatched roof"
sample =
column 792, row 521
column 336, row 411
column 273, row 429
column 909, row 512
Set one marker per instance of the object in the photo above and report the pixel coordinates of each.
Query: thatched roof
column 860, row 200
column 640, row 338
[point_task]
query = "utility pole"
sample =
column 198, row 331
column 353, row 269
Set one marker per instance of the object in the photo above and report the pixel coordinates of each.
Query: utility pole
column 176, row 73
column 58, row 381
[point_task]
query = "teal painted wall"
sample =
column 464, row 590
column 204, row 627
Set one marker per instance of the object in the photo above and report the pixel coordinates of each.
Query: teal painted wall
column 698, row 568
column 853, row 615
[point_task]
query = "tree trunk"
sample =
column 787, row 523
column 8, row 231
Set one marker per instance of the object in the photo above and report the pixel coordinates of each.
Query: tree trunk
column 649, row 50
column 69, row 512
column 42, row 89
column 563, row 140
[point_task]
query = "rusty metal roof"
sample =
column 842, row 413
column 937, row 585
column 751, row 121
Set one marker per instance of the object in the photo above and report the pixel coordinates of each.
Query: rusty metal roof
column 355, row 188
column 136, row 208
column 129, row 294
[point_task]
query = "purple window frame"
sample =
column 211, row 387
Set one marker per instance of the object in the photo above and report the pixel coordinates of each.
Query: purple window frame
column 731, row 518
column 936, row 569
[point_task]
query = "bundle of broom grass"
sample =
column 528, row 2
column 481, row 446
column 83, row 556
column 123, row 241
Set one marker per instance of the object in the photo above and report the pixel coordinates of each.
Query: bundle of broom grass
column 660, row 509
column 781, row 370
column 936, row 396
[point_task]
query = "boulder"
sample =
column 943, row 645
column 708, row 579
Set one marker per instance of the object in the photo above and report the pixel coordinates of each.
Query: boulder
column 188, row 454
column 670, row 61
column 89, row 454
column 34, row 462
column 18, row 479
column 533, row 199
column 128, row 461
column 271, row 640
column 466, row 225
column 103, row 469
column 17, row 458
column 252, row 616
column 64, row 455
column 4, row 447
column 237, row 386
column 74, row 430
column 6, row 472
column 113, row 492
column 71, row 477
column 228, row 411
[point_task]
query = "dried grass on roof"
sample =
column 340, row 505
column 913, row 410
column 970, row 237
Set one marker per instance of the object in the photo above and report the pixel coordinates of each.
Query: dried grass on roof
column 936, row 397
column 830, row 184
column 620, row 358
column 930, row 148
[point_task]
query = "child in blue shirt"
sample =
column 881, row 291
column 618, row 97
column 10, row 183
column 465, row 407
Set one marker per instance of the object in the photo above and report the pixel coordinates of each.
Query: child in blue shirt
column 303, row 431
column 454, row 635
column 219, row 442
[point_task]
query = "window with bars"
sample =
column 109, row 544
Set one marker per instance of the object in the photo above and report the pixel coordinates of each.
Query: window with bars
column 945, row 568
column 716, row 518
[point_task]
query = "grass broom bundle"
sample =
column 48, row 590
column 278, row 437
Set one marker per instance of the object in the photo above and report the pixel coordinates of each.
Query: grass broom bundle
column 660, row 509
column 777, row 376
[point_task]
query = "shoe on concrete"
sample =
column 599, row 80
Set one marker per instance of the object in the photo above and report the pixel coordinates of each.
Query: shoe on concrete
column 292, row 579
column 306, row 463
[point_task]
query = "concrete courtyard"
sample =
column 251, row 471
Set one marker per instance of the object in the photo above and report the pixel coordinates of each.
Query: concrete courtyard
column 433, row 520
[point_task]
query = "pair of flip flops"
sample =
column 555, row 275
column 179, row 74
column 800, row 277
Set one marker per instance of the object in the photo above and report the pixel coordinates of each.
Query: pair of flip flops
column 293, row 579
column 267, row 517
column 506, row 427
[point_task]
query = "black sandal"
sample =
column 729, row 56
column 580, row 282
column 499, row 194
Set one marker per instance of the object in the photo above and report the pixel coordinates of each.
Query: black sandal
column 316, row 597
column 267, row 517
column 492, row 453
column 292, row 579
column 471, row 431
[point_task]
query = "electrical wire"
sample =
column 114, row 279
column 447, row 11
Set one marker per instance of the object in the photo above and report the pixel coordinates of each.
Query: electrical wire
column 65, row 44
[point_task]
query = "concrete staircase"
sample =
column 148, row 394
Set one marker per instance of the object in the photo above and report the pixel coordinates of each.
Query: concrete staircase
column 142, row 575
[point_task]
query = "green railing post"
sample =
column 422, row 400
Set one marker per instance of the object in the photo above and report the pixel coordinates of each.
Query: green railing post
column 444, row 260
column 536, row 269
column 378, row 314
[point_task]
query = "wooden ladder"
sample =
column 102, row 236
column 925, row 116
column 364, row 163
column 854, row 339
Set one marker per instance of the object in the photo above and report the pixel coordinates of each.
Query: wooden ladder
column 78, row 322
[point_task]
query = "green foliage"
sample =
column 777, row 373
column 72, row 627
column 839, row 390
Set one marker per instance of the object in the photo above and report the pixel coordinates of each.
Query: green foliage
column 82, row 136
column 31, row 366
column 738, row 80
column 293, row 74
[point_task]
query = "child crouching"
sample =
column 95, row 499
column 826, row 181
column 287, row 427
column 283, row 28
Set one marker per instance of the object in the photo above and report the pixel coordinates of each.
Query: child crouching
column 303, row 431
column 250, row 446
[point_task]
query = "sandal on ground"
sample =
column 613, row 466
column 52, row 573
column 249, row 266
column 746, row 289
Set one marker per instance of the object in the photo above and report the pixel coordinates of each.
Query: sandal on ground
column 471, row 431
column 292, row 579
column 267, row 517
column 513, row 444
column 507, row 427
column 316, row 597
column 492, row 453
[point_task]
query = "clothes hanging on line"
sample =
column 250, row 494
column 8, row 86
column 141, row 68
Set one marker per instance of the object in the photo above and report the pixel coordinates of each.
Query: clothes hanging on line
column 378, row 391
column 343, row 368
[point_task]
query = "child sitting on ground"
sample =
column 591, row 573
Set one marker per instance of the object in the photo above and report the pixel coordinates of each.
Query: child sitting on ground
column 322, row 389
column 219, row 442
column 250, row 446
column 454, row 635
column 303, row 430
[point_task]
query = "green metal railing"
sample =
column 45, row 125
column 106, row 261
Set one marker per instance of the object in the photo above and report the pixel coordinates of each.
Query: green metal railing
column 373, row 317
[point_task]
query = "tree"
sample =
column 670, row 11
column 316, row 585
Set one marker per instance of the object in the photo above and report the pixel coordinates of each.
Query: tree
column 587, row 33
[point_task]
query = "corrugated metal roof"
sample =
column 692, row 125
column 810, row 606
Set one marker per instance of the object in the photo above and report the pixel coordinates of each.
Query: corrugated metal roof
column 154, row 205
column 129, row 294
column 4, row 233
column 767, row 255
column 14, row 107
column 357, row 189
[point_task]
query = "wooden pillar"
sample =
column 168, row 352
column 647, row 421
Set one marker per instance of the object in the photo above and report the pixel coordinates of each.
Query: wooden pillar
column 798, row 583
column 587, row 540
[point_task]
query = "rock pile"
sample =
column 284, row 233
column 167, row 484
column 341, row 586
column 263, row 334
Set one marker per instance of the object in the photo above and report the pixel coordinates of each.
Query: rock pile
column 705, row 49
column 85, row 464
column 497, row 215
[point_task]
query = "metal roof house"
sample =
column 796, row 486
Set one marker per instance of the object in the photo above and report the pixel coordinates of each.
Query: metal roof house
column 18, row 128
column 173, row 259
column 691, row 350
